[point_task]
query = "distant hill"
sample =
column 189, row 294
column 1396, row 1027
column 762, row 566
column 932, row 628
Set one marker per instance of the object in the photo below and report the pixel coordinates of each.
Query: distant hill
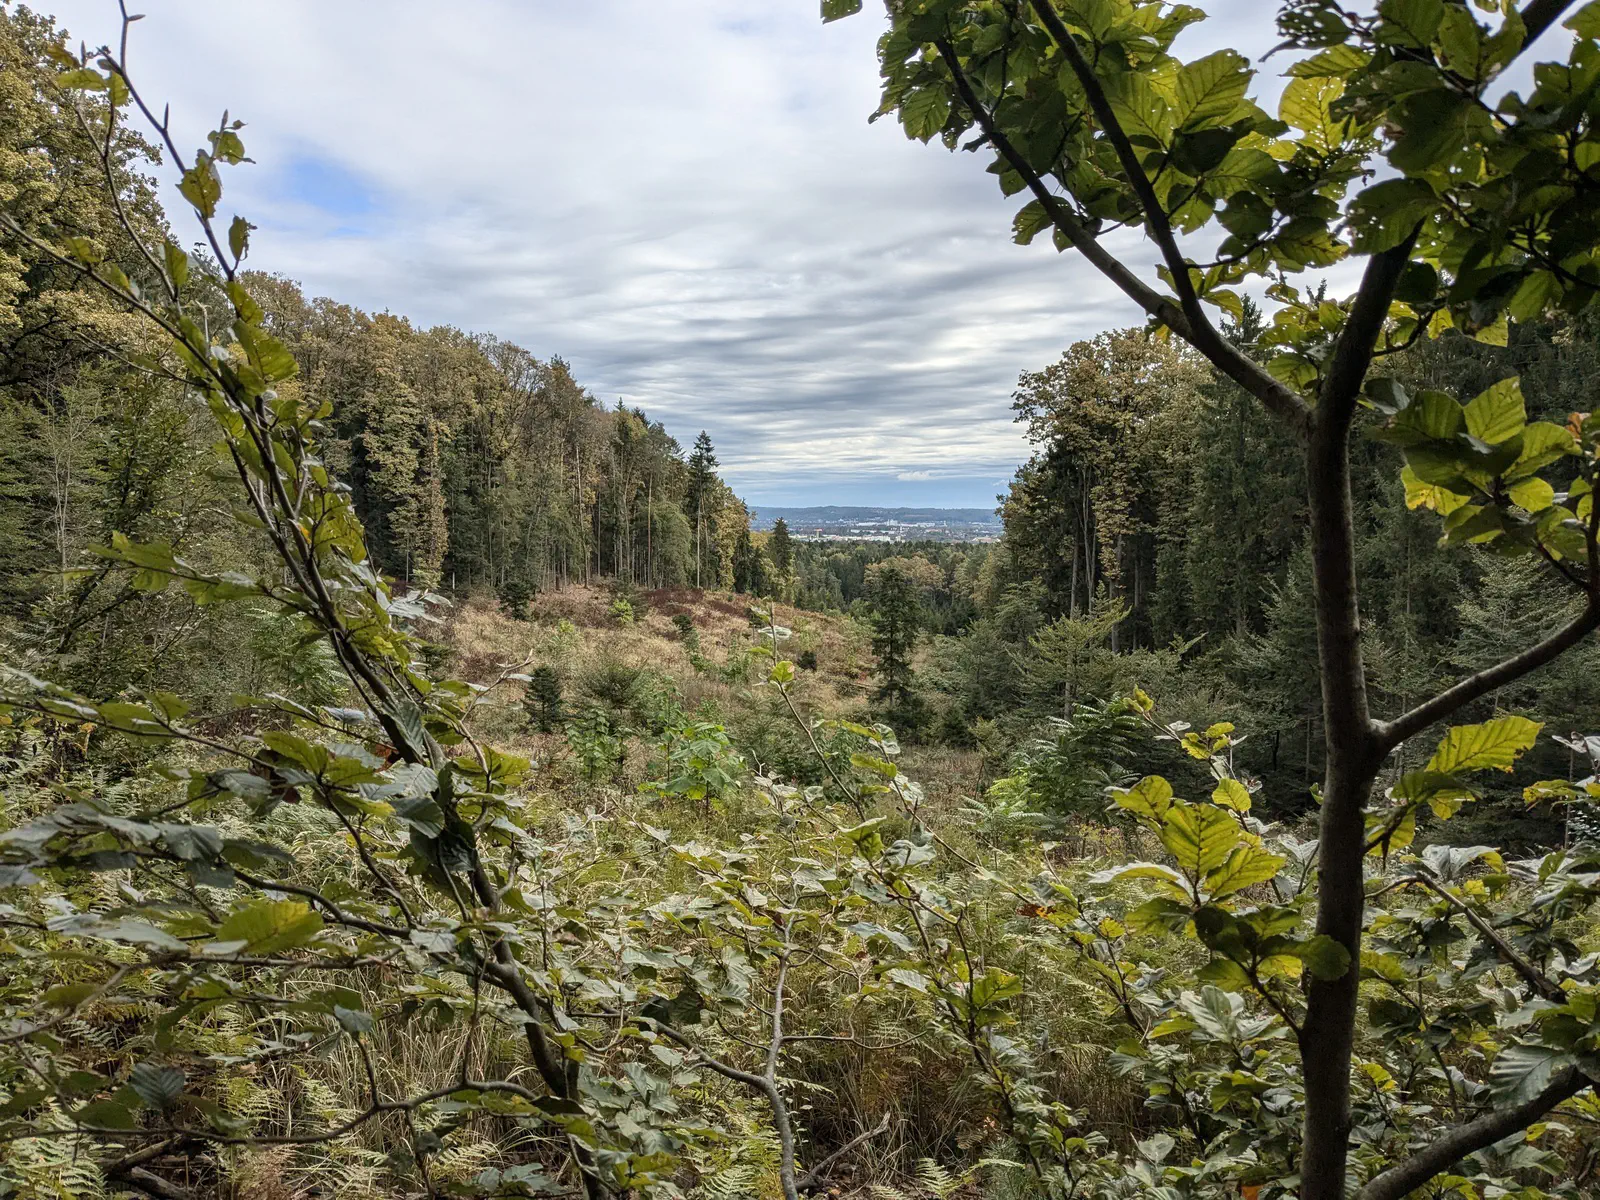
column 762, row 516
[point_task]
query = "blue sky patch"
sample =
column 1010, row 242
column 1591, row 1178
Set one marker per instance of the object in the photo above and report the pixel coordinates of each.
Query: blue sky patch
column 326, row 185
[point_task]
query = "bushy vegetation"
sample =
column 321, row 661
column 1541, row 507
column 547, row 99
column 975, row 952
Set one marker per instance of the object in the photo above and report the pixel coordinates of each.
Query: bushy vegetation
column 367, row 845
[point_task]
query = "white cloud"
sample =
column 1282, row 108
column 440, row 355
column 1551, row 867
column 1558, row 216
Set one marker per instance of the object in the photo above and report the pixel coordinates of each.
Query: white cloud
column 684, row 200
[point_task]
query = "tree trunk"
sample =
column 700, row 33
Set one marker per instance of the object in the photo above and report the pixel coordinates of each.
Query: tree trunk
column 1353, row 756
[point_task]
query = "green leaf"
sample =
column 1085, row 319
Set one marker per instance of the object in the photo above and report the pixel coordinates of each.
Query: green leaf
column 834, row 10
column 105, row 1114
column 1493, row 744
column 1430, row 417
column 878, row 766
column 1031, row 220
column 1245, row 867
column 269, row 926
column 924, row 111
column 1324, row 957
column 993, row 986
column 201, row 185
column 1210, row 89
column 82, row 77
column 1429, row 495
column 353, row 1020
column 1198, row 836
column 1230, row 793
column 1307, row 104
column 1410, row 22
column 1141, row 109
column 1533, row 494
column 1433, row 126
column 177, row 264
column 1543, row 442
column 1384, row 214
column 1521, row 1071
column 1498, row 413
column 1149, row 798
column 239, row 237
column 159, row 1087
column 1586, row 21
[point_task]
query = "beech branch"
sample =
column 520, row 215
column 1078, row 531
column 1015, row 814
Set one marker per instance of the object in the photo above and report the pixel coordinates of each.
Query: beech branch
column 1535, row 978
column 1198, row 331
column 1352, row 353
column 1405, row 1177
column 1391, row 733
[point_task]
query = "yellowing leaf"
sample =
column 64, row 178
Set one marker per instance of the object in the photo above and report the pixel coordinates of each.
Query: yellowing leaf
column 1429, row 495
column 1476, row 747
column 1199, row 836
column 1498, row 412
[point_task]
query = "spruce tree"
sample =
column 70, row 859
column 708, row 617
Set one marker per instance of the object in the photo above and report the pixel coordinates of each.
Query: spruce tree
column 543, row 701
column 702, row 473
column 896, row 620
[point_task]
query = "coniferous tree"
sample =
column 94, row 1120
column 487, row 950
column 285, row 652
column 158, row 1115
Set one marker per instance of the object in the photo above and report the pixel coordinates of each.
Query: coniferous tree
column 543, row 700
column 702, row 468
column 896, row 621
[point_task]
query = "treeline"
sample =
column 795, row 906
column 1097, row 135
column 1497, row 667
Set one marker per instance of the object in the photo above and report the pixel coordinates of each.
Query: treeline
column 476, row 464
column 473, row 463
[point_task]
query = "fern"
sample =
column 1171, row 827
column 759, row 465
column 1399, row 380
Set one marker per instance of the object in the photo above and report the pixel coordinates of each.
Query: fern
column 933, row 1182
column 50, row 1168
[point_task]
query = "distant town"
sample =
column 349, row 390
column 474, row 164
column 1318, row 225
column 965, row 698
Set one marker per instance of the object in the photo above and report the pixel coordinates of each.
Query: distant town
column 841, row 523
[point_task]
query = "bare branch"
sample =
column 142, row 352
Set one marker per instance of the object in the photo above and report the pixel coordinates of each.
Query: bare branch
column 814, row 1176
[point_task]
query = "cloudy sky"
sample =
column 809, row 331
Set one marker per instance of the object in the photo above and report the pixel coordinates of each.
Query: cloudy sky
column 681, row 197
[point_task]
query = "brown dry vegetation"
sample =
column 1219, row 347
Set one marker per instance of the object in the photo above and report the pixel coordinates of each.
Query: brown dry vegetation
column 574, row 631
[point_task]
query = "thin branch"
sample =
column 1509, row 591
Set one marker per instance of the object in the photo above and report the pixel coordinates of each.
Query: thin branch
column 1352, row 353
column 1535, row 978
column 1197, row 328
column 815, row 1175
column 1405, row 1177
column 1391, row 733
column 1539, row 15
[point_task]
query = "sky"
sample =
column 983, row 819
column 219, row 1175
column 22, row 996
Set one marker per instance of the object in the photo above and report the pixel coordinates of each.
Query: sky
column 682, row 198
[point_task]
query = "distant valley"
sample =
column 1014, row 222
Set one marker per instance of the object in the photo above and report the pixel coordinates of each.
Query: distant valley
column 851, row 523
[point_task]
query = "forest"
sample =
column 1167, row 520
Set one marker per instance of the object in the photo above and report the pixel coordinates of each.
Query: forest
column 417, row 778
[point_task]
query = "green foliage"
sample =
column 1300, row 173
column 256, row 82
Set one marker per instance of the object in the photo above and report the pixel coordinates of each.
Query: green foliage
column 542, row 701
column 1067, row 772
column 337, row 920
column 698, row 763
column 516, row 593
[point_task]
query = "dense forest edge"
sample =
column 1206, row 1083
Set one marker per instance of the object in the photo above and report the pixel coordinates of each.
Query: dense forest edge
column 419, row 777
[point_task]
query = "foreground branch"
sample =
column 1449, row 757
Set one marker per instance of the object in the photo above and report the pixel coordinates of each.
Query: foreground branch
column 1391, row 733
column 1405, row 1177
